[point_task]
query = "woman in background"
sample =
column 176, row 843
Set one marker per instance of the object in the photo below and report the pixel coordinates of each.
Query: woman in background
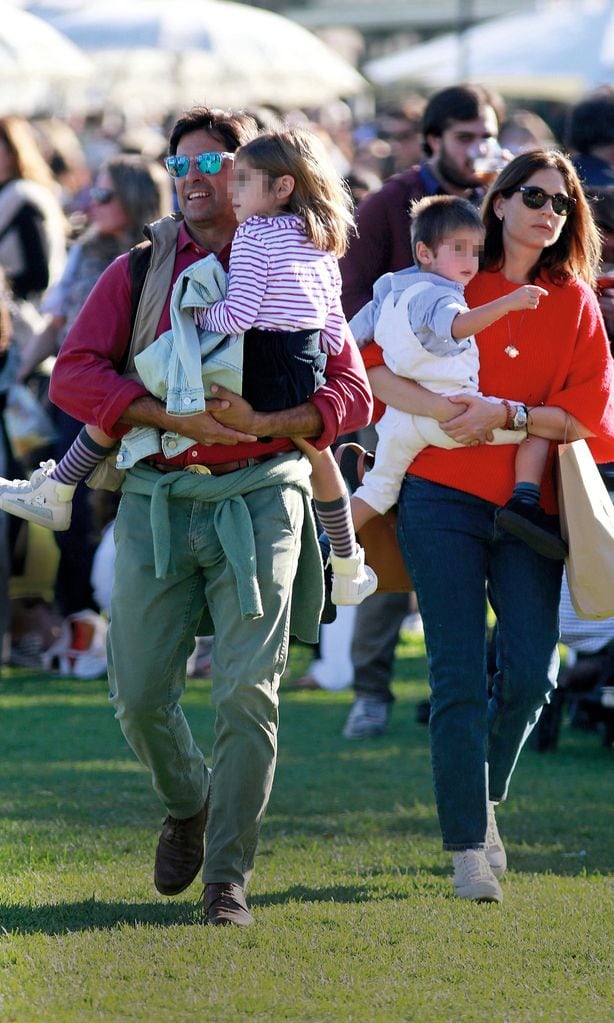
column 32, row 225
column 129, row 192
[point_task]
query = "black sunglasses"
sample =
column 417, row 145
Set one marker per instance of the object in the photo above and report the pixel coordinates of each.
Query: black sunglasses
column 534, row 198
column 102, row 196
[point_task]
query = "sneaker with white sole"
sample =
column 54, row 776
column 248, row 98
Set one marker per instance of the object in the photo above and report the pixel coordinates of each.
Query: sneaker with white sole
column 495, row 850
column 473, row 878
column 353, row 581
column 367, row 719
column 40, row 499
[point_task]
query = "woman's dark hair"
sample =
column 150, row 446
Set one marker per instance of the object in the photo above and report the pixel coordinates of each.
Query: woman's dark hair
column 577, row 250
column 230, row 128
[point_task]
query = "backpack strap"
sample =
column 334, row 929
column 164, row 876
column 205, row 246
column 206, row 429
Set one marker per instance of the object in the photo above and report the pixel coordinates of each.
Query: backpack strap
column 139, row 259
column 151, row 265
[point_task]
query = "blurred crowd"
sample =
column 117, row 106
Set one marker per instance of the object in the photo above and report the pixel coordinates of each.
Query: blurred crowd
column 73, row 196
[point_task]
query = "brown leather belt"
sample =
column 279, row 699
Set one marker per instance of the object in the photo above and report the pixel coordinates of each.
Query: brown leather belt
column 220, row 469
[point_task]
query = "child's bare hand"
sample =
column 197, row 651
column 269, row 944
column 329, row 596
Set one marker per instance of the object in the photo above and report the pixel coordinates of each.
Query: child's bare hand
column 526, row 297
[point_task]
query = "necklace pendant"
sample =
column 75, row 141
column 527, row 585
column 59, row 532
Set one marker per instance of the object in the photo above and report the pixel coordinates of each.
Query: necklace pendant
column 511, row 351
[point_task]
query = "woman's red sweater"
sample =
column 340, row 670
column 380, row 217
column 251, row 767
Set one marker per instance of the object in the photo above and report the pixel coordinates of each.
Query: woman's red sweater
column 558, row 355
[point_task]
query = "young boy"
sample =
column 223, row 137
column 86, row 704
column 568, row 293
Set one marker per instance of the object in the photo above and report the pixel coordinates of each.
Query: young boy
column 421, row 321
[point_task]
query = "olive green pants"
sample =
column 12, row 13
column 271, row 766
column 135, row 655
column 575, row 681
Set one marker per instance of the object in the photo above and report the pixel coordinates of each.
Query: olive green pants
column 153, row 625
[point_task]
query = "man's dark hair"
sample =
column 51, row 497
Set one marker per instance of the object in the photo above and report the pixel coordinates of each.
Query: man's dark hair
column 435, row 217
column 456, row 103
column 230, row 128
column 591, row 122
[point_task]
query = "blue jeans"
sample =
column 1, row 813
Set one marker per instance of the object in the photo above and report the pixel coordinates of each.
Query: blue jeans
column 455, row 555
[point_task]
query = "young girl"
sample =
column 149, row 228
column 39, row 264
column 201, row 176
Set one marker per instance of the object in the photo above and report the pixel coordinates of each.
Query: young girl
column 283, row 292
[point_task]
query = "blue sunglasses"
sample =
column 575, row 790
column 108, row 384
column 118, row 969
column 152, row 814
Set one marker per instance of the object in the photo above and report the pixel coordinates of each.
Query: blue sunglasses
column 207, row 163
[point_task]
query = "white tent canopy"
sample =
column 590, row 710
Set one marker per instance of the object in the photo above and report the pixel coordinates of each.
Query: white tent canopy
column 559, row 50
column 37, row 63
column 169, row 53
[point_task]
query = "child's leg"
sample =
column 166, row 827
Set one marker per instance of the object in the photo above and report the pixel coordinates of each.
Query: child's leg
column 522, row 514
column 352, row 579
column 331, row 500
column 46, row 498
column 531, row 461
column 89, row 447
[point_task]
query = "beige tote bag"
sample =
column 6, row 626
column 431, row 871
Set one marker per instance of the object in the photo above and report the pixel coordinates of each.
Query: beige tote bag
column 587, row 523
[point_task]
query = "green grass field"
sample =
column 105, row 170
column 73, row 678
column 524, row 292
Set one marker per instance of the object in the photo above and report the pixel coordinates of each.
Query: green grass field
column 355, row 920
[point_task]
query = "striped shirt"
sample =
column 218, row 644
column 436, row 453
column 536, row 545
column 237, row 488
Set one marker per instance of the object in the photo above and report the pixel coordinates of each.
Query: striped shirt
column 279, row 280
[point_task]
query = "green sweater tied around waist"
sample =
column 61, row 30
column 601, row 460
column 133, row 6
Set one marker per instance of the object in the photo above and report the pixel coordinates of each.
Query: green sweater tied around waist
column 233, row 525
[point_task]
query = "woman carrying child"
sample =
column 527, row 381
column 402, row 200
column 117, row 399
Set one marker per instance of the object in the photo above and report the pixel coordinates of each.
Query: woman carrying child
column 555, row 360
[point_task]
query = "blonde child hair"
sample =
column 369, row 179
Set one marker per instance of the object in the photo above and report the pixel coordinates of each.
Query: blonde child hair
column 320, row 196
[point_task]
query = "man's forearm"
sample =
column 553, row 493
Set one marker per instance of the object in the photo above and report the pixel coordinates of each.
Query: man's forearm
column 147, row 411
column 301, row 421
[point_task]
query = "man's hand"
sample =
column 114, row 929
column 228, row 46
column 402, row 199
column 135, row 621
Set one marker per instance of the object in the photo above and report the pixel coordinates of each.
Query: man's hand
column 233, row 411
column 201, row 427
column 301, row 421
column 204, row 428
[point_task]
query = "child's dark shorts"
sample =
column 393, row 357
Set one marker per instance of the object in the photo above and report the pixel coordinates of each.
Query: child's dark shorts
column 281, row 369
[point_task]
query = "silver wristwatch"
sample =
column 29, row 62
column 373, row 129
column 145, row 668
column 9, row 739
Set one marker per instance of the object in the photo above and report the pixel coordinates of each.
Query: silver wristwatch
column 521, row 418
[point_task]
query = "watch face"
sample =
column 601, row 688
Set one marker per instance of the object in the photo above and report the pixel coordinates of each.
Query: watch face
column 520, row 419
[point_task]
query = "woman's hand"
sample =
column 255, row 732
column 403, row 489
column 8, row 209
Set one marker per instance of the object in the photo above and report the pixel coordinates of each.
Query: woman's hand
column 476, row 420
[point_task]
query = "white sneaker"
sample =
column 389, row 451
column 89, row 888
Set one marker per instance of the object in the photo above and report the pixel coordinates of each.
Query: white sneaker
column 353, row 581
column 495, row 850
column 40, row 499
column 473, row 878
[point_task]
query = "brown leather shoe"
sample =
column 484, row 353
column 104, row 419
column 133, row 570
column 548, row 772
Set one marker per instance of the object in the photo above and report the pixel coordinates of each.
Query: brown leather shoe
column 225, row 904
column 180, row 852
